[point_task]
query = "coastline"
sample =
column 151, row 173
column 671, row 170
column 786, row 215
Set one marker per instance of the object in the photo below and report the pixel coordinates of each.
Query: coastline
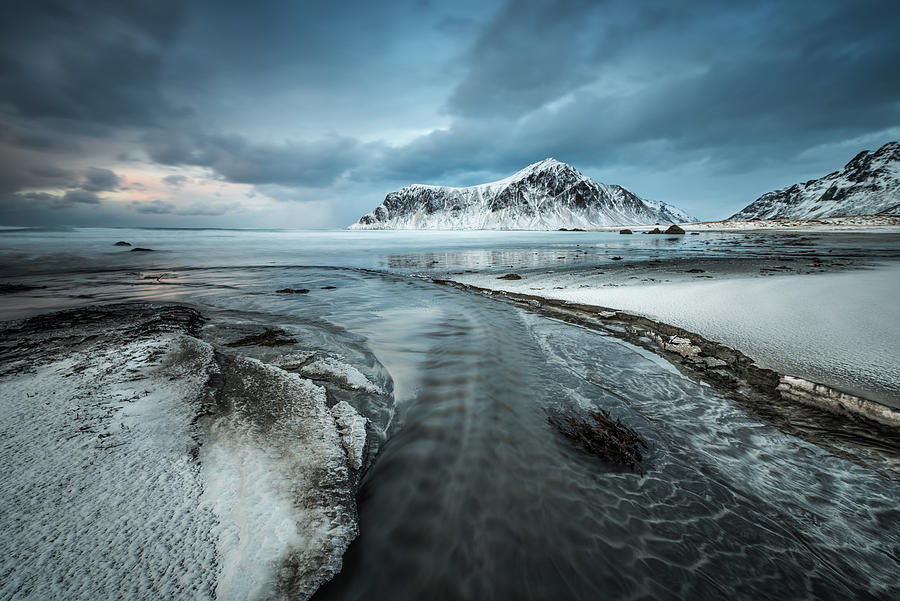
column 857, row 223
column 727, row 368
column 821, row 316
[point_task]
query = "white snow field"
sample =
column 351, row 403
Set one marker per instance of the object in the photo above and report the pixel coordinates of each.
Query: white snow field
column 127, row 476
column 832, row 328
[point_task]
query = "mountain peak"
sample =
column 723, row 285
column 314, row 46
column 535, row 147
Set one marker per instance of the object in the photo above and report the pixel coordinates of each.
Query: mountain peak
column 548, row 165
column 545, row 165
column 548, row 194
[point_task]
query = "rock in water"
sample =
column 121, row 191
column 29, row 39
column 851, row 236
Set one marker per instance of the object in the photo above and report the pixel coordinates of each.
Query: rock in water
column 122, row 243
column 674, row 229
column 548, row 195
column 867, row 185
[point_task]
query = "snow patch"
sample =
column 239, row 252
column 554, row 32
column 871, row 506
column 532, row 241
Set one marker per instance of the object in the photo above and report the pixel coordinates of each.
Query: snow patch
column 327, row 368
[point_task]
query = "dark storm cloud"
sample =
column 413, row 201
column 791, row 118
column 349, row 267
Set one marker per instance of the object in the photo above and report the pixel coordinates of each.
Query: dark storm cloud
column 736, row 84
column 86, row 64
column 176, row 181
column 525, row 57
column 45, row 200
column 79, row 197
column 161, row 207
column 153, row 207
column 97, row 179
column 313, row 163
column 50, row 176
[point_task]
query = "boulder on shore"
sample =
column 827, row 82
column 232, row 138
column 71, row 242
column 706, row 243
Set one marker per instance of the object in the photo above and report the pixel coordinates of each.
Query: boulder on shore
column 625, row 231
column 674, row 229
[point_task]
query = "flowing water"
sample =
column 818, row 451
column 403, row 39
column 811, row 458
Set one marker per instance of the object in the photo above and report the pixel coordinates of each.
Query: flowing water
column 475, row 495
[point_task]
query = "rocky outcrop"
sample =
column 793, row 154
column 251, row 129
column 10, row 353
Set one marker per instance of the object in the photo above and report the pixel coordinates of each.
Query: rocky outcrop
column 229, row 467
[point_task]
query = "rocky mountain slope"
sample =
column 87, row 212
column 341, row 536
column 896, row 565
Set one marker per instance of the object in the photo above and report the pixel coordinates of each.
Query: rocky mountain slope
column 544, row 196
column 867, row 185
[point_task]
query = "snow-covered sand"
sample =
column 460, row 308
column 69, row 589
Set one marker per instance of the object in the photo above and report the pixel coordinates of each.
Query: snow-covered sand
column 875, row 223
column 833, row 328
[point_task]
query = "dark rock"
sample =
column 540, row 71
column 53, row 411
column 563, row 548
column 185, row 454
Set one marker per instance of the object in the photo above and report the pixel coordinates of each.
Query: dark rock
column 138, row 249
column 293, row 291
column 695, row 233
column 510, row 276
column 625, row 231
column 329, row 288
column 655, row 230
column 616, row 258
column 122, row 243
column 269, row 337
column 603, row 436
column 695, row 271
column 674, row 229
column 10, row 288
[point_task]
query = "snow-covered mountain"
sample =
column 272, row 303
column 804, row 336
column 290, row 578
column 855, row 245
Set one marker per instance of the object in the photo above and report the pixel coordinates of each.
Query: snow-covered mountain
column 543, row 196
column 867, row 185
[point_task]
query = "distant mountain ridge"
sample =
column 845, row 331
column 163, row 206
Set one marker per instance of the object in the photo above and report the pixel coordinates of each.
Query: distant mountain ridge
column 543, row 196
column 868, row 185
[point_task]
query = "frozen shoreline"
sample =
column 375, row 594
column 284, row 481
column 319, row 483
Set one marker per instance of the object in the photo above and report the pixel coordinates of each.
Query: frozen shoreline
column 163, row 465
column 858, row 223
column 832, row 328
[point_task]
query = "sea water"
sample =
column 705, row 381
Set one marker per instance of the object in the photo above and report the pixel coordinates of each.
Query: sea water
column 475, row 495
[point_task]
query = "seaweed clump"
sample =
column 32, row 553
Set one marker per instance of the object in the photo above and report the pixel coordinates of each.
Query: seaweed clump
column 603, row 436
column 269, row 337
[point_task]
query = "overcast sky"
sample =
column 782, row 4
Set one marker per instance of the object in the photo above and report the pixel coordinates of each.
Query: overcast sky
column 305, row 114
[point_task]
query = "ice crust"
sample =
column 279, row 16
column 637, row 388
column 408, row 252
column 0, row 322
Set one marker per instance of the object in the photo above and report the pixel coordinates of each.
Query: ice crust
column 154, row 468
column 352, row 428
column 279, row 484
column 334, row 369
